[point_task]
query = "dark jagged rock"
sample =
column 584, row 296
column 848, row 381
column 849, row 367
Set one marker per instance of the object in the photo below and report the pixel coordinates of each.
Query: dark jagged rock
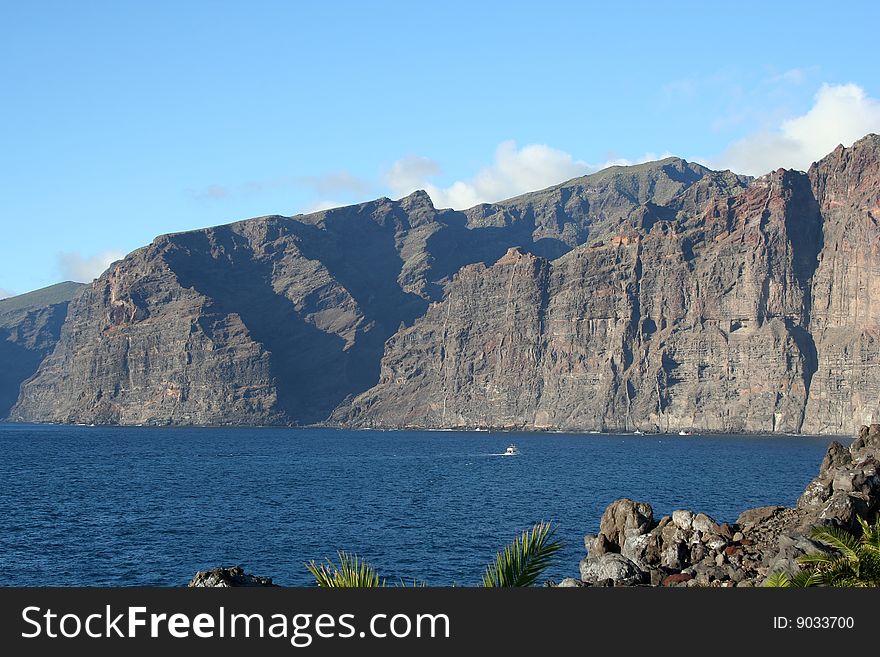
column 226, row 578
column 691, row 549
column 664, row 296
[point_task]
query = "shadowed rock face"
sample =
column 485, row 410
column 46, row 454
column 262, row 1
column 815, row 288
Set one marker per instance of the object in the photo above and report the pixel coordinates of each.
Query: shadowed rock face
column 662, row 296
column 733, row 313
column 30, row 325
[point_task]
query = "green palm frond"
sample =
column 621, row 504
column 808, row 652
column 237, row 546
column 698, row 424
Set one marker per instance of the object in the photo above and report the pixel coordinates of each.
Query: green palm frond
column 522, row 562
column 825, row 560
column 352, row 572
column 853, row 562
column 800, row 580
column 840, row 539
column 804, row 579
column 871, row 535
column 778, row 580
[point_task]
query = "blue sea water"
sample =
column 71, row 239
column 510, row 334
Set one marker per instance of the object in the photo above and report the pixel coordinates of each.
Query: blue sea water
column 144, row 506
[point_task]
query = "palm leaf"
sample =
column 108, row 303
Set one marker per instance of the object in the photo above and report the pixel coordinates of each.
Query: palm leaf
column 871, row 535
column 782, row 580
column 804, row 579
column 778, row 580
column 352, row 572
column 839, row 539
column 522, row 562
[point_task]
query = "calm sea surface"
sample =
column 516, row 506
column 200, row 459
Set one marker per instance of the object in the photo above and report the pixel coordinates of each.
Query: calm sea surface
column 143, row 506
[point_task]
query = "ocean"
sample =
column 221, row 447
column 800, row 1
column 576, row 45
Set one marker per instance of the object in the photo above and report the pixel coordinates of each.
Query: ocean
column 99, row 506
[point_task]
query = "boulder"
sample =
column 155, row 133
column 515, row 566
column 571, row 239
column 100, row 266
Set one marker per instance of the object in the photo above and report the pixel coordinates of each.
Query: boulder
column 570, row 582
column 725, row 531
column 671, row 533
column 683, row 519
column 625, row 514
column 815, row 495
column 698, row 552
column 226, row 578
column 792, row 545
column 715, row 543
column 705, row 524
column 644, row 550
column 588, row 541
column 601, row 545
column 837, row 456
column 676, row 578
column 868, row 439
column 611, row 566
column 675, row 556
column 841, row 509
column 752, row 517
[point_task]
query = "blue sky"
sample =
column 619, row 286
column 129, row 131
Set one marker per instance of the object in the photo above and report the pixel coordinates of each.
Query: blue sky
column 125, row 120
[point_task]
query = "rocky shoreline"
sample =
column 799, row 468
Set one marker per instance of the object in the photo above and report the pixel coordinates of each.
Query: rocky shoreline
column 691, row 549
column 687, row 548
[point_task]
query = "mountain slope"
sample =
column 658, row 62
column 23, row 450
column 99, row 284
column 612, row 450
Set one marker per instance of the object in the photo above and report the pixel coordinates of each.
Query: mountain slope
column 280, row 320
column 660, row 296
column 30, row 325
column 756, row 313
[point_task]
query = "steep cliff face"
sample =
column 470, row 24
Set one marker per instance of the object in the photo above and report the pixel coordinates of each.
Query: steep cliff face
column 29, row 328
column 845, row 317
column 281, row 320
column 658, row 297
column 694, row 323
column 259, row 322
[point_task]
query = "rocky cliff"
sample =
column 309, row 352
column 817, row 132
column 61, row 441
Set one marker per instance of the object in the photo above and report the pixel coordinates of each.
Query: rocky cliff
column 743, row 312
column 30, row 325
column 663, row 296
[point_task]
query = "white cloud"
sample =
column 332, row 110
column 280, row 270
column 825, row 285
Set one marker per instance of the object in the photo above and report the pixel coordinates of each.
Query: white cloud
column 84, row 269
column 4, row 293
column 321, row 205
column 841, row 114
column 514, row 171
column 410, row 173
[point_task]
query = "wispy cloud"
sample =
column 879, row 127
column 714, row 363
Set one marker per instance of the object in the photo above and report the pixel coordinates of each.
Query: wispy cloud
column 733, row 97
column 210, row 193
column 410, row 173
column 840, row 114
column 75, row 266
column 334, row 183
column 321, row 205
column 514, row 171
column 4, row 293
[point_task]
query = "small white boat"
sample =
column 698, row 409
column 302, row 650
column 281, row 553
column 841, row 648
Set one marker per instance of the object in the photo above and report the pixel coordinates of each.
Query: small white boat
column 684, row 433
column 512, row 450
